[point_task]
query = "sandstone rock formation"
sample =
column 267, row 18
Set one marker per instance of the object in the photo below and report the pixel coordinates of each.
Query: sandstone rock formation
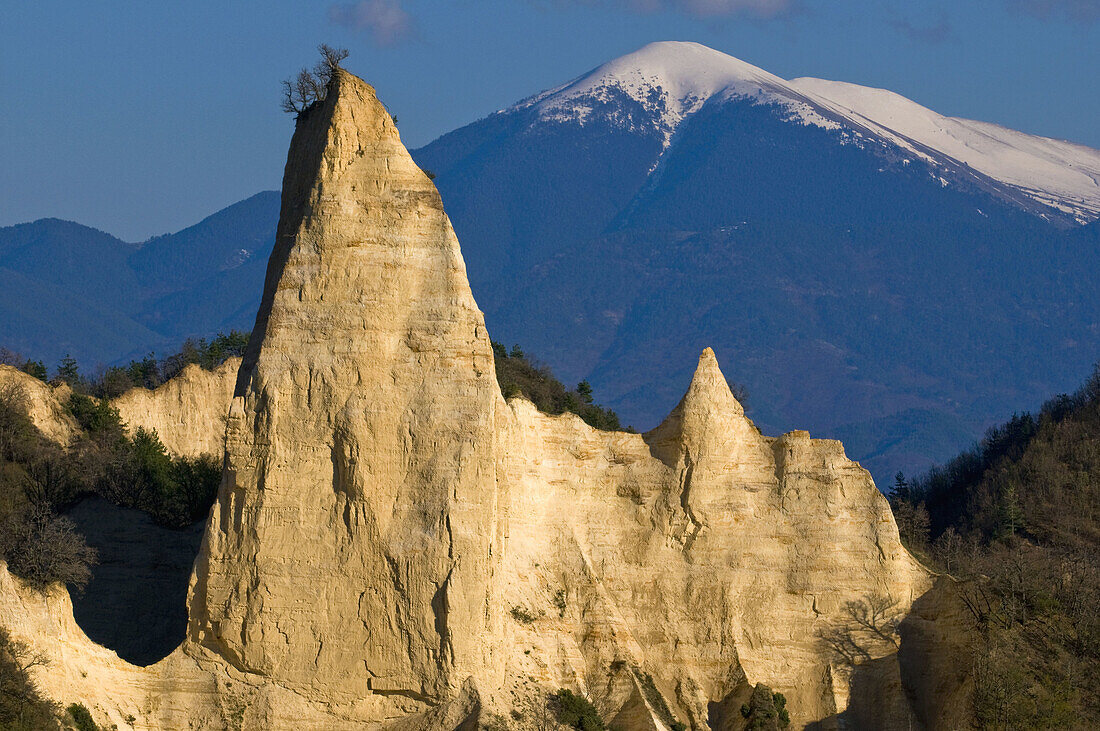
column 396, row 546
column 44, row 404
column 360, row 440
column 188, row 412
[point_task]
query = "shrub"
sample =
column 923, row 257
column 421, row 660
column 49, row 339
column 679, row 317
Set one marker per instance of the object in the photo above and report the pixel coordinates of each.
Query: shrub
column 82, row 719
column 576, row 711
column 35, row 368
column 522, row 616
column 139, row 473
column 95, row 416
column 560, row 602
column 518, row 374
column 17, row 432
column 784, row 716
column 761, row 711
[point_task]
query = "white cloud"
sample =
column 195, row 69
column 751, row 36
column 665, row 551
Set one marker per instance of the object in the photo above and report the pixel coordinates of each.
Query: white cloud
column 384, row 20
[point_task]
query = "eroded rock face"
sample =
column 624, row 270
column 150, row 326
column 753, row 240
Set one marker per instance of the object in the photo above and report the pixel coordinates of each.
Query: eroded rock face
column 394, row 545
column 44, row 404
column 188, row 412
column 351, row 551
column 696, row 555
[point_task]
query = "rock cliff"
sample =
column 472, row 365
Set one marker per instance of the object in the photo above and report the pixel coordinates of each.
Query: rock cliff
column 188, row 412
column 44, row 404
column 396, row 546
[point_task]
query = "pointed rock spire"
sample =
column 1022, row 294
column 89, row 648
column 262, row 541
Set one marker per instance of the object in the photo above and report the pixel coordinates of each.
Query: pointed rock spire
column 709, row 390
column 706, row 410
column 352, row 541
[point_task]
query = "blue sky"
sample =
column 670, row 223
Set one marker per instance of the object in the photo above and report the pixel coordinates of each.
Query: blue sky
column 140, row 118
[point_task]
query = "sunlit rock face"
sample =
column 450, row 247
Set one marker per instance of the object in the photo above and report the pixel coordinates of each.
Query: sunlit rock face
column 394, row 545
column 351, row 550
column 188, row 412
column 698, row 558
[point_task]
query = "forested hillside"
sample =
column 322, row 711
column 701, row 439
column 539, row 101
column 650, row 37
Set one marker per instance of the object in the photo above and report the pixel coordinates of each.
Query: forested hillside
column 1018, row 519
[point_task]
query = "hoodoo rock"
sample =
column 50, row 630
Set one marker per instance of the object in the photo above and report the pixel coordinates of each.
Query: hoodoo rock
column 395, row 546
column 43, row 404
column 351, row 551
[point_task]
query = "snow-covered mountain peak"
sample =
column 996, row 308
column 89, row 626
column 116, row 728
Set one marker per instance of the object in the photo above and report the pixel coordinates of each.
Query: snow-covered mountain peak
column 682, row 69
column 656, row 88
column 669, row 79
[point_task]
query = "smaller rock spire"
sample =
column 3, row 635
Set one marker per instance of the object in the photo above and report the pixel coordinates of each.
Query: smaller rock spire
column 704, row 412
column 709, row 388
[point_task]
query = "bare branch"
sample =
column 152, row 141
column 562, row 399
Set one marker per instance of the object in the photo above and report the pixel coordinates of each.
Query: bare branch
column 311, row 86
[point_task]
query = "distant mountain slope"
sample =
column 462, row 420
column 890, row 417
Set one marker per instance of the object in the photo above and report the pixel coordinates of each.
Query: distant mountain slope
column 1056, row 173
column 858, row 261
column 70, row 289
column 671, row 81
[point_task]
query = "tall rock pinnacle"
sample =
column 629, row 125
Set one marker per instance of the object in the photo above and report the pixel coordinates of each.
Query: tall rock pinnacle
column 351, row 545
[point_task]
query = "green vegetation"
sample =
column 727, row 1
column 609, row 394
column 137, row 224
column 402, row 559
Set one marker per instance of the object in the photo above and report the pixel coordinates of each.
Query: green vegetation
column 522, row 615
column 149, row 372
column 136, row 472
column 520, row 375
column 560, row 602
column 39, row 481
column 37, row 544
column 81, row 718
column 765, row 710
column 576, row 711
column 1018, row 516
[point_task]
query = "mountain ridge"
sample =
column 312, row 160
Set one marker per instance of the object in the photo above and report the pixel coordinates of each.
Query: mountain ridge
column 676, row 78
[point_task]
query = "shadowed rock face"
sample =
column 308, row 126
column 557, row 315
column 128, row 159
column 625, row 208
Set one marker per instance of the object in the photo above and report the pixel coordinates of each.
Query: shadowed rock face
column 136, row 602
column 394, row 545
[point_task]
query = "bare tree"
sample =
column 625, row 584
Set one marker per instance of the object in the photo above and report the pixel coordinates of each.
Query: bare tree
column 15, row 425
column 867, row 628
column 24, row 656
column 311, row 85
column 43, row 548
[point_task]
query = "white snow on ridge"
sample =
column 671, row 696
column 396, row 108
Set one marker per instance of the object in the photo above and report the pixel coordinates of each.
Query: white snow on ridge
column 1057, row 173
column 673, row 80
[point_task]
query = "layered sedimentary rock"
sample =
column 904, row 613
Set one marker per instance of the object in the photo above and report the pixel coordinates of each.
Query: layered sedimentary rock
column 188, row 412
column 351, row 552
column 44, row 404
column 700, row 556
column 394, row 545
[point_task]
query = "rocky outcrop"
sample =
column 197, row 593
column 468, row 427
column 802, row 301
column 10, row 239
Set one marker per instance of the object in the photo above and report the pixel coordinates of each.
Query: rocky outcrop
column 360, row 440
column 693, row 557
column 188, row 412
column 44, row 404
column 394, row 545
